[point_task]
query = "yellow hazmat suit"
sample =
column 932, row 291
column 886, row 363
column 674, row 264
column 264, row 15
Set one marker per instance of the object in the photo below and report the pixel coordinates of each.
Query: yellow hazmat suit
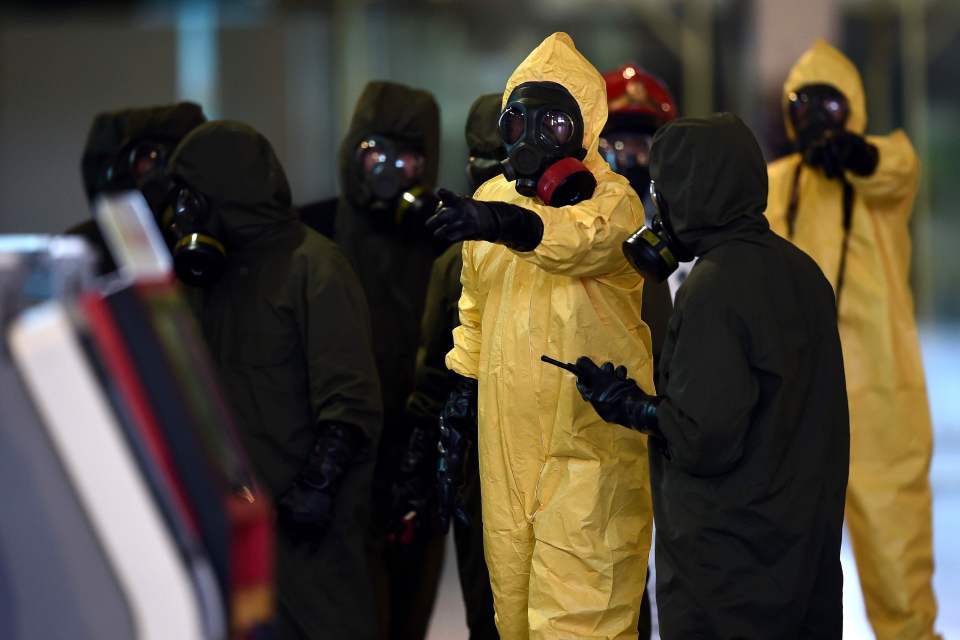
column 566, row 497
column 888, row 497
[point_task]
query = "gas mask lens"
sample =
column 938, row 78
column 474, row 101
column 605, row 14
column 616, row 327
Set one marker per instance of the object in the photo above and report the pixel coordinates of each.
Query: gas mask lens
column 189, row 210
column 134, row 164
column 657, row 203
column 511, row 125
column 370, row 154
column 146, row 158
column 411, row 164
column 624, row 151
column 557, row 127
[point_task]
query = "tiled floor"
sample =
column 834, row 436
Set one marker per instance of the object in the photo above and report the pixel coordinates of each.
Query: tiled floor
column 941, row 349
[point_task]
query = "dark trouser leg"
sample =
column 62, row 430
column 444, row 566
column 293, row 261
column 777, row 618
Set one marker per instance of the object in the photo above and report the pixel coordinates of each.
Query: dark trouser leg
column 824, row 618
column 644, row 625
column 414, row 577
column 472, row 567
column 285, row 627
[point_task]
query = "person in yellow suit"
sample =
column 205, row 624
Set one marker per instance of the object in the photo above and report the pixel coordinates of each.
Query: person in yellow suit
column 565, row 499
column 845, row 199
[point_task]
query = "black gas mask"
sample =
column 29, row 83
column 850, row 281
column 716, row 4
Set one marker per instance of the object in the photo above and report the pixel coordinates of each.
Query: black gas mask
column 390, row 178
column 138, row 166
column 816, row 111
column 656, row 251
column 628, row 153
column 198, row 256
column 135, row 163
column 542, row 131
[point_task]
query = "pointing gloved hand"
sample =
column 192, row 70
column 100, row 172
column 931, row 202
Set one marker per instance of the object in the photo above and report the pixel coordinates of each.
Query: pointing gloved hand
column 458, row 433
column 414, row 489
column 462, row 218
column 306, row 508
column 615, row 397
column 843, row 151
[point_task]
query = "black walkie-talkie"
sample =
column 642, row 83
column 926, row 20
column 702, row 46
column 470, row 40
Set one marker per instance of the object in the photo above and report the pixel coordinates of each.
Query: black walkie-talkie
column 572, row 368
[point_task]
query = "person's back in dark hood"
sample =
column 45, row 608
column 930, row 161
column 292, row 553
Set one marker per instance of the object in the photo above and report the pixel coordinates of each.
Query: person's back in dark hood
column 712, row 175
column 288, row 327
column 126, row 148
column 750, row 474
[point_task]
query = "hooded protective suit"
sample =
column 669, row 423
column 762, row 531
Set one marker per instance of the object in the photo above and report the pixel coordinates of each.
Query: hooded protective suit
column 111, row 134
column 393, row 269
column 748, row 488
column 481, row 131
column 288, row 328
column 393, row 265
column 566, row 499
column 433, row 384
column 888, row 500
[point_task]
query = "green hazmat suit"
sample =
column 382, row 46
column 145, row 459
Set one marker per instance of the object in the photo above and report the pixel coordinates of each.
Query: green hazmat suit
column 288, row 328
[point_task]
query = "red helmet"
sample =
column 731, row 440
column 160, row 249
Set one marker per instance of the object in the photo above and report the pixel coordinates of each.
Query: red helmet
column 632, row 91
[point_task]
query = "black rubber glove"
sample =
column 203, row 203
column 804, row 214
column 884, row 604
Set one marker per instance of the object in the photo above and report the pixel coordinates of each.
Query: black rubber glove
column 615, row 397
column 306, row 508
column 843, row 151
column 458, row 432
column 468, row 219
column 414, row 489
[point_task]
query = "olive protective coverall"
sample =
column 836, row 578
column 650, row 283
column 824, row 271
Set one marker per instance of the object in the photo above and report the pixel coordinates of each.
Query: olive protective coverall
column 288, row 327
column 434, row 383
column 393, row 266
column 566, row 499
column 888, row 500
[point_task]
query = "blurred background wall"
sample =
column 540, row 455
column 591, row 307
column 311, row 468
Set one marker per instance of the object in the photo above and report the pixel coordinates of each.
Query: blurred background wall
column 294, row 68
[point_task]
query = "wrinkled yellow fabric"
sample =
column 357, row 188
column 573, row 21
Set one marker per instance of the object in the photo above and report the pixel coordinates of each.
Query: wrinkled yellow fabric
column 888, row 495
column 566, row 497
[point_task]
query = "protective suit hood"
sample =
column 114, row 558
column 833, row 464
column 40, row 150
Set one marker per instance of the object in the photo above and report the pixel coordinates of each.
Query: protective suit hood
column 111, row 131
column 236, row 169
column 482, row 132
column 556, row 59
column 713, row 177
column 398, row 112
column 823, row 64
